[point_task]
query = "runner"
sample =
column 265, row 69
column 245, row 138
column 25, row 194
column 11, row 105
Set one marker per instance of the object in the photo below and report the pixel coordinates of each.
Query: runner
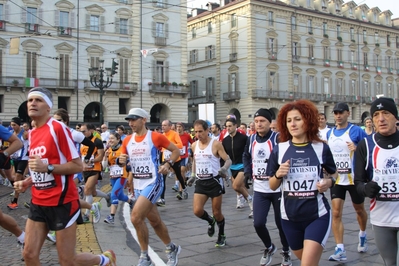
column 343, row 139
column 296, row 164
column 53, row 159
column 256, row 155
column 142, row 149
column 206, row 168
column 184, row 153
column 376, row 168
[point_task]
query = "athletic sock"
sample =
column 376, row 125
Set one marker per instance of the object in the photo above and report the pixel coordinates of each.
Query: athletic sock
column 101, row 194
column 221, row 227
column 206, row 217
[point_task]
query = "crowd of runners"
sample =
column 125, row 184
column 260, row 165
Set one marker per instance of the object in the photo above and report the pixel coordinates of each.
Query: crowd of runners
column 290, row 161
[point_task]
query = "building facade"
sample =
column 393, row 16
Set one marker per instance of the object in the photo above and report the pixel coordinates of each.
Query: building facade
column 54, row 43
column 245, row 55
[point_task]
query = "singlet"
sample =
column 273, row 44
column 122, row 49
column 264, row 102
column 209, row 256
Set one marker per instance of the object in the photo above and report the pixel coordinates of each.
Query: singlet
column 206, row 164
column 323, row 133
column 83, row 151
column 343, row 157
column 384, row 166
column 300, row 199
column 260, row 153
column 23, row 153
column 53, row 143
column 143, row 160
column 186, row 140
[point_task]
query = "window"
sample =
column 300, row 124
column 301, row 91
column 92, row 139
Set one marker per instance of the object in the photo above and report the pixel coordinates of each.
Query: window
column 209, row 27
column 353, row 57
column 365, row 59
column 353, row 87
column 337, row 7
column 376, row 38
column 325, row 31
column 272, row 82
column 160, row 30
column 378, row 88
column 193, row 56
column 63, row 102
column 308, row 3
column 31, row 64
column 209, row 52
column 311, row 84
column 310, row 27
column 233, row 20
column 123, row 103
column 295, row 49
column 94, row 23
column 193, row 33
column 271, row 45
column 338, row 31
column 388, row 40
column 233, row 82
column 293, row 23
column 375, row 17
column 323, row 5
column 64, row 70
column 210, row 91
column 326, row 53
column 160, row 71
column 31, row 15
column 365, row 36
column 366, row 88
column 326, row 85
column 123, row 71
column 1, row 12
column 123, row 26
column 339, row 54
column 340, row 86
column 194, row 88
column 64, row 19
column 95, row 61
column 160, row 3
column 377, row 60
column 297, row 83
column 350, row 11
column 389, row 62
column 352, row 34
column 270, row 15
column 386, row 20
column 311, row 51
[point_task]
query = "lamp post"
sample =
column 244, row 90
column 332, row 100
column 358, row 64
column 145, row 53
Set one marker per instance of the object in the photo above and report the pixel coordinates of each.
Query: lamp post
column 97, row 80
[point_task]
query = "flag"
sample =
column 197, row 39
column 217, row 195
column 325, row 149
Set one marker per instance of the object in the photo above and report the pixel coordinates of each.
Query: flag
column 148, row 51
column 31, row 82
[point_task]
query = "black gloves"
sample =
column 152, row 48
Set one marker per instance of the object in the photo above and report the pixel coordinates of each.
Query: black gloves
column 247, row 180
column 371, row 189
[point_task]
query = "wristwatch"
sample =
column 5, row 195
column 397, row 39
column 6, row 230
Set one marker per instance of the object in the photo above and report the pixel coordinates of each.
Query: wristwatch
column 50, row 168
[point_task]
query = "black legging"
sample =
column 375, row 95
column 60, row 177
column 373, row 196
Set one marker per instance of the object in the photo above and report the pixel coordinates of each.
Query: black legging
column 177, row 169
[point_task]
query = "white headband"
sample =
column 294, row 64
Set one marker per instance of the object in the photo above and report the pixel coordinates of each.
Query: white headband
column 44, row 96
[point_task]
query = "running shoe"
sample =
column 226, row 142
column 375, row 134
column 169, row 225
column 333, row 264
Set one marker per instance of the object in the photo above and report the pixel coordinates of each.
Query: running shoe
column 51, row 237
column 110, row 219
column 108, row 199
column 111, row 256
column 339, row 255
column 185, row 194
column 221, row 241
column 172, row 255
column 175, row 188
column 286, row 258
column 86, row 218
column 268, row 255
column 145, row 261
column 362, row 246
column 211, row 227
column 251, row 215
column 179, row 195
column 13, row 206
column 21, row 246
column 131, row 204
column 96, row 212
column 12, row 194
column 161, row 203
column 27, row 205
column 240, row 203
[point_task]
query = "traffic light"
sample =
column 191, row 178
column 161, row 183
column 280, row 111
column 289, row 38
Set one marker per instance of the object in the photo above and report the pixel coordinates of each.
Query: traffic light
column 114, row 67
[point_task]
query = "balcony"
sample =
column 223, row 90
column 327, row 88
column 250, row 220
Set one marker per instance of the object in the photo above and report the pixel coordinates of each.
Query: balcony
column 2, row 25
column 352, row 99
column 378, row 70
column 340, row 64
column 167, row 89
column 64, row 31
column 272, row 56
column 326, row 62
column 31, row 28
column 366, row 68
column 233, row 57
column 312, row 61
column 296, row 59
column 160, row 41
column 271, row 94
column 232, row 96
column 368, row 99
column 354, row 66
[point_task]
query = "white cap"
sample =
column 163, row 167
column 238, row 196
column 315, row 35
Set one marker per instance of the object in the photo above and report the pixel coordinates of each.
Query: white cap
column 136, row 113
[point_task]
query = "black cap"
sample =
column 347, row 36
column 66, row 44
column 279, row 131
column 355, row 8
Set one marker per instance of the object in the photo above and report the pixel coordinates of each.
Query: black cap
column 384, row 103
column 340, row 107
column 16, row 120
column 265, row 113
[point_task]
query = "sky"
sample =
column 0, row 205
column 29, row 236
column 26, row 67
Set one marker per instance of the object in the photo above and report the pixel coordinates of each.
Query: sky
column 382, row 4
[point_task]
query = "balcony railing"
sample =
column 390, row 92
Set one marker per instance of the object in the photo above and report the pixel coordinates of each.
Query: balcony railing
column 272, row 94
column 340, row 64
column 64, row 31
column 157, row 88
column 233, row 57
column 366, row 68
column 326, row 62
column 296, row 59
column 312, row 61
column 390, row 70
column 231, row 96
column 378, row 70
column 354, row 66
column 31, row 28
column 272, row 56
column 2, row 25
column 160, row 41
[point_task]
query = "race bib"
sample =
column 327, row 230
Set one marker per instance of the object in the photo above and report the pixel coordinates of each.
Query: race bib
column 43, row 181
column 183, row 150
column 115, row 171
column 389, row 186
column 300, row 186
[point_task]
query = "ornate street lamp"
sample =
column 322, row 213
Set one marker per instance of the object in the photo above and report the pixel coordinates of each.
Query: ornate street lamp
column 97, row 80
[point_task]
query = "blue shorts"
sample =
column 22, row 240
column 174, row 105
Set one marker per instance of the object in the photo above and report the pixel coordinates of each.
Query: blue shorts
column 152, row 192
column 183, row 162
column 317, row 230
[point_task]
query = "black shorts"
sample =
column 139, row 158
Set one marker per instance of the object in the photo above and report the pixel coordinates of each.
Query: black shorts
column 234, row 173
column 56, row 217
column 20, row 166
column 7, row 164
column 339, row 192
column 212, row 188
column 88, row 174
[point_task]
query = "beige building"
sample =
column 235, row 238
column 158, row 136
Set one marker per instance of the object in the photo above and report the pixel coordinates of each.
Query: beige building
column 245, row 55
column 55, row 49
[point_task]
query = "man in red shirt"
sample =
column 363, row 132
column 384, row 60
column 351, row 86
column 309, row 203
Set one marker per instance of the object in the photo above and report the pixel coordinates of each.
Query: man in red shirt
column 187, row 141
column 53, row 160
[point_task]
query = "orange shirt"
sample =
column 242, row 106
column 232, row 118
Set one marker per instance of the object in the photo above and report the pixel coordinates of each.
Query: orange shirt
column 173, row 137
column 112, row 159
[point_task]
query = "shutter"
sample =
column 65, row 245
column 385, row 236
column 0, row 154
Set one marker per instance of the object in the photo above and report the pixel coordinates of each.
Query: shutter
column 237, row 87
column 268, row 87
column 23, row 16
column 323, row 87
column 102, row 23
column 267, row 44
column 206, row 52
column 88, row 21
column 117, row 25
column 72, row 17
column 34, row 61
column 307, row 83
column 315, row 84
column 130, row 25
column 121, row 71
column 276, row 81
column 275, row 47
column 6, row 12
column 299, row 49
column 62, row 57
column 57, row 18
column 166, row 71
column 228, row 82
column 154, row 29
column 166, row 30
column 66, row 66
column 40, row 19
column 154, row 71
column 213, row 89
column 207, row 89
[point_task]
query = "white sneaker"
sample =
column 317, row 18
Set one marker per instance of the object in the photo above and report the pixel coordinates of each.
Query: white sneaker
column 96, row 212
column 240, row 204
column 51, row 237
column 362, row 246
